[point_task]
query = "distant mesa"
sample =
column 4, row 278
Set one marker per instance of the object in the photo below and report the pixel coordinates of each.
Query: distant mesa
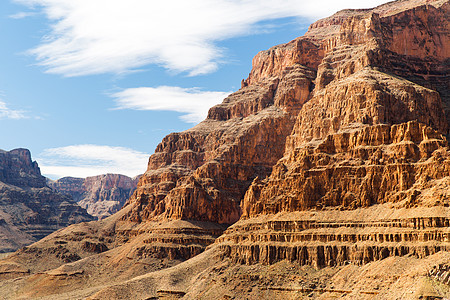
column 29, row 209
column 100, row 195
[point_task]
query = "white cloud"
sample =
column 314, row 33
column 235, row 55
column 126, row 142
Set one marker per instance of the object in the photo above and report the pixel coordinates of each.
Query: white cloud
column 22, row 14
column 102, row 36
column 7, row 113
column 91, row 160
column 194, row 102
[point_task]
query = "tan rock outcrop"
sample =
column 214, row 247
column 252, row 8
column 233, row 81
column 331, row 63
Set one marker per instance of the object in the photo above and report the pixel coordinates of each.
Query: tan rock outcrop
column 332, row 79
column 365, row 138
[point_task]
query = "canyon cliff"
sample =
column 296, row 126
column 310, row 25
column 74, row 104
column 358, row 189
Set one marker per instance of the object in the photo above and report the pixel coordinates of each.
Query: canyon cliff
column 100, row 195
column 29, row 209
column 326, row 175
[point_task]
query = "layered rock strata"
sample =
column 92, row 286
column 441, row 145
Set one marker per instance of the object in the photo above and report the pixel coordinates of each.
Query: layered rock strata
column 407, row 164
column 338, row 79
column 100, row 195
column 332, row 238
column 366, row 138
column 203, row 173
column 29, row 209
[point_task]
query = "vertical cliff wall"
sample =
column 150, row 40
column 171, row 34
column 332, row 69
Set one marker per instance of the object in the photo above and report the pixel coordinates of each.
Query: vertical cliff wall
column 203, row 173
column 349, row 73
column 29, row 210
column 372, row 137
column 100, row 195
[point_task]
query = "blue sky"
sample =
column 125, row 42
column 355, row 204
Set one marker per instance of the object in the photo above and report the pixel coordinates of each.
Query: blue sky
column 92, row 86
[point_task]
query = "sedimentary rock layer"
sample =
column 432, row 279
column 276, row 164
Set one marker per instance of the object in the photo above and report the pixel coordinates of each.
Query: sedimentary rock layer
column 100, row 195
column 332, row 237
column 406, row 163
column 203, row 173
column 29, row 209
column 365, row 138
column 345, row 78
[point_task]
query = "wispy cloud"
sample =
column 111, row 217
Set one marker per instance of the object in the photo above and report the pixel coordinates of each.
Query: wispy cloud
column 193, row 101
column 102, row 36
column 22, row 14
column 91, row 160
column 7, row 113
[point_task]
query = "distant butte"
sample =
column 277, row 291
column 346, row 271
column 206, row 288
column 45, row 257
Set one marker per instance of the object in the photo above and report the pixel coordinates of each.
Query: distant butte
column 100, row 195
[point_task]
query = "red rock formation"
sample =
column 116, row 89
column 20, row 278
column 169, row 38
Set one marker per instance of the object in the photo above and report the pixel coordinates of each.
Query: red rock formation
column 100, row 195
column 370, row 124
column 203, row 173
column 332, row 238
column 354, row 168
column 17, row 168
column 337, row 154
column 365, row 138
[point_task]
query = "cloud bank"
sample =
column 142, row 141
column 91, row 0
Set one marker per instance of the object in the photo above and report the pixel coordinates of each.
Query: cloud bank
column 193, row 101
column 7, row 113
column 90, row 160
column 104, row 36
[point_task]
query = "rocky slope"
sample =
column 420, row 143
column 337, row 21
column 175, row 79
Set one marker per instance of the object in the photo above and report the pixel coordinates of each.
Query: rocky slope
column 331, row 164
column 203, row 173
column 100, row 195
column 29, row 209
column 366, row 138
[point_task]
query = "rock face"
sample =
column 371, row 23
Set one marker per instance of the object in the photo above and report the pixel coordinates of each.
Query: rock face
column 367, row 140
column 334, row 238
column 203, row 173
column 100, row 195
column 29, row 209
column 355, row 168
column 17, row 168
column 370, row 126
column 330, row 168
column 347, row 84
